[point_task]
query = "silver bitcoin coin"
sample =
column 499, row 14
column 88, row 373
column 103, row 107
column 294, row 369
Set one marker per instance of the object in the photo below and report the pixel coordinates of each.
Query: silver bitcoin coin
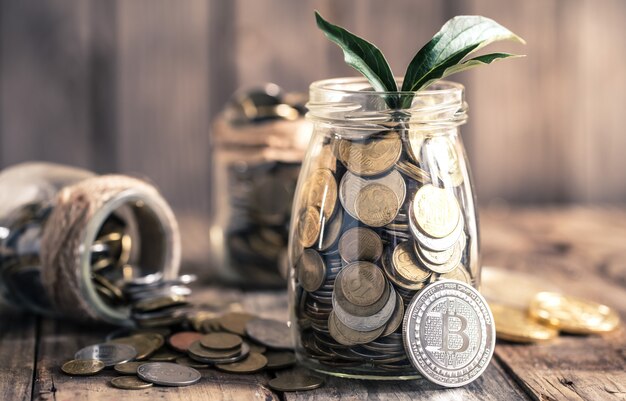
column 109, row 354
column 168, row 374
column 449, row 333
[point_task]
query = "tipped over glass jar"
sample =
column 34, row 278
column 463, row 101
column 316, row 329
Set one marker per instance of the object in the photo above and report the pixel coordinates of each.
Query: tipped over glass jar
column 384, row 206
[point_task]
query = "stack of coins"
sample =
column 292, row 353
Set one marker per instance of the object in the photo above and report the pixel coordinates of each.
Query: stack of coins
column 379, row 219
column 176, row 355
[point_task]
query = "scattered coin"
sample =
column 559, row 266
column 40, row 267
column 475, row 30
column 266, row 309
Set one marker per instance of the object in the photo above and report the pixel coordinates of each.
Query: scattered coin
column 235, row 322
column 127, row 368
column 271, row 333
column 250, row 364
column 85, row 367
column 164, row 355
column 182, row 340
column 145, row 344
column 168, row 374
column 573, row 315
column 280, row 359
column 109, row 354
column 516, row 325
column 129, row 383
column 296, row 382
column 186, row 361
column 221, row 341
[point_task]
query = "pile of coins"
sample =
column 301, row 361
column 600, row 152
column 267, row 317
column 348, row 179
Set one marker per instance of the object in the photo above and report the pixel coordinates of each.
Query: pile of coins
column 173, row 356
column 379, row 219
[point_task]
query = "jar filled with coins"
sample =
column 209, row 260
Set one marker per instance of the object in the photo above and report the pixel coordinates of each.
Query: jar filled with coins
column 384, row 207
column 258, row 143
column 96, row 248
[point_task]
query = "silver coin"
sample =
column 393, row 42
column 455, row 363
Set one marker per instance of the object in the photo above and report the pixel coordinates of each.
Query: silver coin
column 436, row 244
column 449, row 333
column 109, row 354
column 351, row 185
column 168, row 374
column 454, row 257
column 366, row 323
column 271, row 333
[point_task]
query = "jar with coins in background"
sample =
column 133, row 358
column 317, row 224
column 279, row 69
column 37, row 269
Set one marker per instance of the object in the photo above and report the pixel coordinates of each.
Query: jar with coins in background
column 384, row 207
column 77, row 245
column 258, row 143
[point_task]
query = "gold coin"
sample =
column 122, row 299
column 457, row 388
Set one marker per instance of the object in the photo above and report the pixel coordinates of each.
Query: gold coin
column 363, row 283
column 235, row 322
column 376, row 205
column 129, row 383
column 197, row 349
column 412, row 171
column 371, row 157
column 82, row 367
column 436, row 211
column 573, row 315
column 164, row 355
column 321, row 191
column 221, row 341
column 309, row 226
column 513, row 324
column 127, row 368
column 406, row 265
column 250, row 364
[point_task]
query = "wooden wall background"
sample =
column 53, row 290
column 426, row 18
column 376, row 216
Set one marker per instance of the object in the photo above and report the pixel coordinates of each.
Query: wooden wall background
column 132, row 85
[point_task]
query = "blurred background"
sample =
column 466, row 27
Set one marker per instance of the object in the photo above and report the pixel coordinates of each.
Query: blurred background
column 132, row 86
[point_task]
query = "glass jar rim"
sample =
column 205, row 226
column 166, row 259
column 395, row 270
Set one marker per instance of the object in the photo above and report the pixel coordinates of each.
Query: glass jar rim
column 339, row 85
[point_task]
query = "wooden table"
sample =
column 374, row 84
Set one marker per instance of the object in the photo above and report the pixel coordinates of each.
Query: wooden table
column 581, row 250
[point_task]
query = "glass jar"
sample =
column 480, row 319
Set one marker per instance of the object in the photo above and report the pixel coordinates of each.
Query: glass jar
column 384, row 206
column 258, row 144
column 68, row 238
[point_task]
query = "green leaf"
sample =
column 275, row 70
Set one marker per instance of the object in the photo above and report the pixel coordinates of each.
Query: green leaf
column 458, row 38
column 361, row 55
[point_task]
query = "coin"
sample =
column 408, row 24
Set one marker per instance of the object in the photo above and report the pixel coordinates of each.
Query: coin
column 311, row 270
column 186, row 361
column 413, row 172
column 164, row 355
column 109, row 354
column 431, row 257
column 280, row 359
column 320, row 188
column 371, row 157
column 441, row 152
column 573, row 315
column 449, row 333
column 339, row 297
column 436, row 210
column 347, row 336
column 182, row 340
column 271, row 333
column 367, row 323
column 395, row 321
column 435, row 244
column 360, row 244
column 84, row 367
column 168, row 374
column 251, row 364
column 329, row 231
column 235, row 322
column 448, row 265
column 201, row 354
column 415, row 139
column 127, row 368
column 405, row 265
column 153, row 304
column 198, row 350
column 145, row 344
column 297, row 381
column 220, row 341
column 376, row 205
column 363, row 283
column 460, row 274
column 129, row 383
column 309, row 226
column 513, row 324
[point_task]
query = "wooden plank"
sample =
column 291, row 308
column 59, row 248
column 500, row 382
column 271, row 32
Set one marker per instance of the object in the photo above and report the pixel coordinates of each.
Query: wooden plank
column 163, row 94
column 44, row 101
column 18, row 336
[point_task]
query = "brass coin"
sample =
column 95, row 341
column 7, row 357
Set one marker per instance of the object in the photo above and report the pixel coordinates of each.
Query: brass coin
column 252, row 363
column 347, row 336
column 309, row 226
column 280, row 359
column 118, row 296
column 376, row 205
column 145, row 344
column 363, row 283
column 573, row 315
column 311, row 270
column 164, row 355
column 436, row 211
column 197, row 349
column 127, row 368
column 513, row 324
column 360, row 243
column 186, row 361
column 82, row 367
column 371, row 157
column 406, row 265
column 182, row 340
column 395, row 321
column 220, row 341
column 235, row 322
column 320, row 188
column 460, row 273
column 153, row 304
column 129, row 383
column 296, row 381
